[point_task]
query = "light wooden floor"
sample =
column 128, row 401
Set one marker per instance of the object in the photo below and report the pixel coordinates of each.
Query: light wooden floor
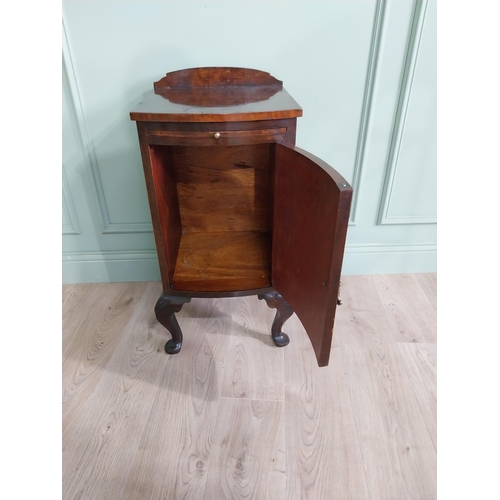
column 232, row 416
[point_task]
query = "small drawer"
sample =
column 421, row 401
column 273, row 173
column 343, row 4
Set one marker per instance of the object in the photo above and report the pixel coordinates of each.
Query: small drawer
column 214, row 137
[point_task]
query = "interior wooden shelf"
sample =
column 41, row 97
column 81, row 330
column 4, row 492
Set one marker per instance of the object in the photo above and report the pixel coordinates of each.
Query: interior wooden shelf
column 223, row 261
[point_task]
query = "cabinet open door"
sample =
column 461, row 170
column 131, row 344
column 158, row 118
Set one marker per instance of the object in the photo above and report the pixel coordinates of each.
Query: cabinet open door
column 311, row 204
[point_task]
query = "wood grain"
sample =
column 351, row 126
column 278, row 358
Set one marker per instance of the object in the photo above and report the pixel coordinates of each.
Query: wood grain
column 164, row 206
column 90, row 342
column 216, row 77
column 310, row 218
column 176, row 436
column 428, row 282
column 162, row 198
column 223, row 188
column 420, row 361
column 76, row 300
column 116, row 408
column 253, row 366
column 73, row 293
column 411, row 316
column 322, row 449
column 224, row 138
column 155, row 108
column 223, row 261
column 398, row 454
column 248, row 452
column 208, row 422
column 217, row 86
column 146, row 128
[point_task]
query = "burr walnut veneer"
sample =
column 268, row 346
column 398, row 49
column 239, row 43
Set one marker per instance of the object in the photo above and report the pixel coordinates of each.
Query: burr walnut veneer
column 237, row 208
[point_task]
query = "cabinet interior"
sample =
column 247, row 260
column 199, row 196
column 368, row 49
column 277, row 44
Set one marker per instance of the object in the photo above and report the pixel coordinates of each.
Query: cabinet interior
column 215, row 213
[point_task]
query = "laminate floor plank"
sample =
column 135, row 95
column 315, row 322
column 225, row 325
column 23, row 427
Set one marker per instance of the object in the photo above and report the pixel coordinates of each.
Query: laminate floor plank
column 89, row 341
column 77, row 301
column 100, row 436
column 420, row 361
column 253, row 367
column 70, row 291
column 323, row 457
column 428, row 282
column 409, row 312
column 176, row 438
column 397, row 450
column 232, row 416
column 248, row 453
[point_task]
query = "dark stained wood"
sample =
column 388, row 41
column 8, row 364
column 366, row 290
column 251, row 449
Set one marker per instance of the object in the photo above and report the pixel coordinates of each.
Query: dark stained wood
column 236, row 208
column 283, row 311
column 153, row 136
column 216, row 137
column 223, row 188
column 288, row 123
column 167, row 223
column 311, row 212
column 209, row 87
column 225, row 294
column 156, row 108
column 221, row 77
column 223, row 261
column 163, row 205
column 218, row 97
column 291, row 131
column 165, row 310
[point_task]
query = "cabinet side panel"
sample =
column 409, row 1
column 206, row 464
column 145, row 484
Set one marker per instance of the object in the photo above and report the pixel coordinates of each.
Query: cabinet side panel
column 164, row 205
column 311, row 210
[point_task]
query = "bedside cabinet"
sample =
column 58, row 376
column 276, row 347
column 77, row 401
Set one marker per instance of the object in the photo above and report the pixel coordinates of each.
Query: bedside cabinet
column 237, row 208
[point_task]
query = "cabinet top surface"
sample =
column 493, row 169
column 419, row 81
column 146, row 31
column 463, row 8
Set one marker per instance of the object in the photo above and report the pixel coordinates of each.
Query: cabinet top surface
column 216, row 95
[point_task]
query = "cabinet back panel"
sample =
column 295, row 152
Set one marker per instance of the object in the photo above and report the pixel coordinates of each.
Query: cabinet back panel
column 223, row 188
column 223, row 261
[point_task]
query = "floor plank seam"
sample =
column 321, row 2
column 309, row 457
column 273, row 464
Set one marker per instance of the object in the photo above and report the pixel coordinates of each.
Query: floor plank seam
column 253, row 399
column 177, row 427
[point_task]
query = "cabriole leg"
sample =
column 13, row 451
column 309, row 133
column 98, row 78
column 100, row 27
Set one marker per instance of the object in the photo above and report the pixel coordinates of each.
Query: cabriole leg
column 283, row 311
column 165, row 310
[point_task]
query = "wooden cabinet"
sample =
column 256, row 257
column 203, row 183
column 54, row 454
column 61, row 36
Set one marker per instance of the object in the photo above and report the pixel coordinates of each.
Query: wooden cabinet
column 237, row 208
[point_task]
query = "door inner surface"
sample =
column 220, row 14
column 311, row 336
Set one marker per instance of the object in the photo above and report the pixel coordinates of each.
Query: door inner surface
column 310, row 217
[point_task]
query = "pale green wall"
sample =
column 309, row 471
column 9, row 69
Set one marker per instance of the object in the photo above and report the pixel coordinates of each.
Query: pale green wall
column 364, row 71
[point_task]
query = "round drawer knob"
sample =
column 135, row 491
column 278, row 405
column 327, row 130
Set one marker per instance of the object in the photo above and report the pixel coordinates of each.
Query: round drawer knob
column 216, row 135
